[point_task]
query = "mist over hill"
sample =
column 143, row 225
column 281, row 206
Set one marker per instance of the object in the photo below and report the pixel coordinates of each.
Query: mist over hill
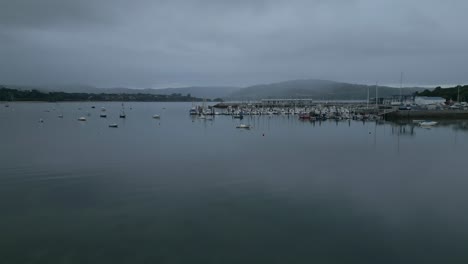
column 316, row 89
column 309, row 88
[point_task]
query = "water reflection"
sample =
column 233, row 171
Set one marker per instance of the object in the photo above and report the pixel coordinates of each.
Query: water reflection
column 403, row 126
column 403, row 129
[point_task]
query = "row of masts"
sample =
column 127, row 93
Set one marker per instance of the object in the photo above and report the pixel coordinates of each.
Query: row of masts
column 377, row 92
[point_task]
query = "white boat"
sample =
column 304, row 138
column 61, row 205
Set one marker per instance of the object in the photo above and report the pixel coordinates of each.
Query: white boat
column 103, row 115
column 113, row 125
column 427, row 123
column 417, row 121
column 193, row 111
column 82, row 118
column 243, row 126
column 156, row 116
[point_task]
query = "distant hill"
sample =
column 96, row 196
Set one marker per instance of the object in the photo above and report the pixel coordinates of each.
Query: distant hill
column 208, row 92
column 316, row 89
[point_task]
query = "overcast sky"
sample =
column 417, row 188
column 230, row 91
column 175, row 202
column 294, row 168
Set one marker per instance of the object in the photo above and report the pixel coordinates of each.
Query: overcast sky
column 151, row 43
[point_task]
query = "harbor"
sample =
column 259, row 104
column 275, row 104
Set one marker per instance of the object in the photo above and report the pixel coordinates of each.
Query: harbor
column 403, row 108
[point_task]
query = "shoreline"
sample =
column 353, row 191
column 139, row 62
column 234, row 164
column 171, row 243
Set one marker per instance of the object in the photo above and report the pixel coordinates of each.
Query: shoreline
column 2, row 102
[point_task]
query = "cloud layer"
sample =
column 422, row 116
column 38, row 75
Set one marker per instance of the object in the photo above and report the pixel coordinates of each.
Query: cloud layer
column 174, row 43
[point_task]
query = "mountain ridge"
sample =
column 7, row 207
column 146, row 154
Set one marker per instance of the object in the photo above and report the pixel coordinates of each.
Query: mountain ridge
column 317, row 89
column 301, row 88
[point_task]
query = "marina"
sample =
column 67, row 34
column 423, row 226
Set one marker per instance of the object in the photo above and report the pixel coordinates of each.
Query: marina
column 391, row 109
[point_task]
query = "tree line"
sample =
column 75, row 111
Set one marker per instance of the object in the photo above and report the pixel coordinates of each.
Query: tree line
column 7, row 94
column 451, row 93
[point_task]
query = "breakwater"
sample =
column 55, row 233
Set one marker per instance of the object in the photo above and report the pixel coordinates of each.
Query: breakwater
column 427, row 114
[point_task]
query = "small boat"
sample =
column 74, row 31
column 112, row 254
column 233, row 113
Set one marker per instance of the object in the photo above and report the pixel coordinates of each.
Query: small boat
column 193, row 111
column 93, row 106
column 41, row 120
column 7, row 105
column 156, row 116
column 428, row 123
column 243, row 126
column 239, row 116
column 60, row 116
column 103, row 109
column 113, row 125
column 103, row 115
column 122, row 112
column 304, row 116
column 82, row 118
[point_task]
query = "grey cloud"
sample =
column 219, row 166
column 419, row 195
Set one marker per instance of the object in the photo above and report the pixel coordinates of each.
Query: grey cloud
column 46, row 13
column 155, row 43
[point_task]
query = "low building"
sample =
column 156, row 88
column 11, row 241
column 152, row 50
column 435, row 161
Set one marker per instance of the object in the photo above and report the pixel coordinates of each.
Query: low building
column 406, row 99
column 427, row 100
column 287, row 102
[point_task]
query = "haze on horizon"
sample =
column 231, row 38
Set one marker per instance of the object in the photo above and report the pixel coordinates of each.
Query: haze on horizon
column 166, row 43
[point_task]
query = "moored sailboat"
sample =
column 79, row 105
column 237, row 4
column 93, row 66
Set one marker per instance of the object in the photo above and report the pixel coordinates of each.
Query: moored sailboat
column 122, row 112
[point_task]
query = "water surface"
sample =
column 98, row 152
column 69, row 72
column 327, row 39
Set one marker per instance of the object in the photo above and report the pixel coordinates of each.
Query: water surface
column 184, row 190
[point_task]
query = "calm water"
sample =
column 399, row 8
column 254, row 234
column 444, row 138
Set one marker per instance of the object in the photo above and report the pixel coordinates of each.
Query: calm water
column 178, row 190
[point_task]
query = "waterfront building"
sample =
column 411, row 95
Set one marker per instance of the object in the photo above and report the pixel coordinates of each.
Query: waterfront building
column 427, row 100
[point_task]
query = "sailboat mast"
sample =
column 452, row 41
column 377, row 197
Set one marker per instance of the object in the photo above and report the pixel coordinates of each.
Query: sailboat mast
column 376, row 96
column 401, row 87
column 368, row 88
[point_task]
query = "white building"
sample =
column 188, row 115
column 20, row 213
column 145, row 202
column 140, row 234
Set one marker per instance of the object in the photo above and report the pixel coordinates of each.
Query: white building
column 426, row 100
